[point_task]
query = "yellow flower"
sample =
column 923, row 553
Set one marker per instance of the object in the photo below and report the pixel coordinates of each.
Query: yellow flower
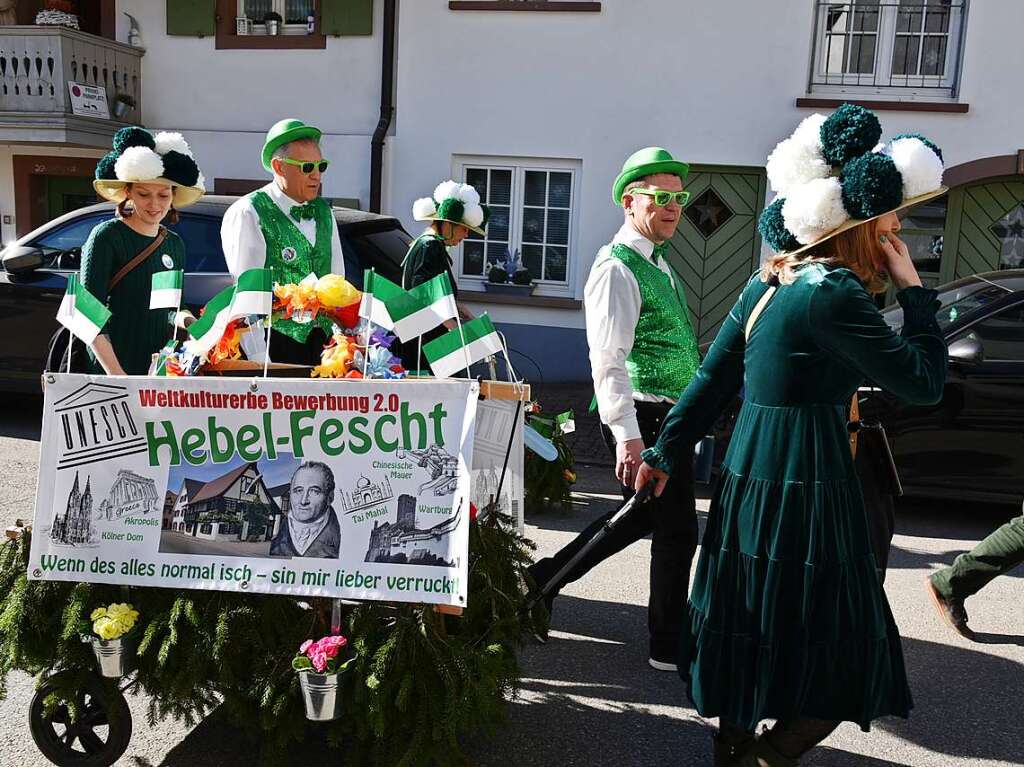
column 106, row 628
column 99, row 612
column 118, row 609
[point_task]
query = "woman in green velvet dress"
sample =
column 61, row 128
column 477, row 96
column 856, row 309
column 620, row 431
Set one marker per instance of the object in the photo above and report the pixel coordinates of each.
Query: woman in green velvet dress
column 787, row 618
column 150, row 178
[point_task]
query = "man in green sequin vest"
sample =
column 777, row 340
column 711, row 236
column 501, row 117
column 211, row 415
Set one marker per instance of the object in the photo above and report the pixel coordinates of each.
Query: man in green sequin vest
column 288, row 228
column 643, row 353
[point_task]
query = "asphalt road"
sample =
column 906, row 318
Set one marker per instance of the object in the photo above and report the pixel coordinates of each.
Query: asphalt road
column 588, row 697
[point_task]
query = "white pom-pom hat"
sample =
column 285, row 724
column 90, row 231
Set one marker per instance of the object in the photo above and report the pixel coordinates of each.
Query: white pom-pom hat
column 453, row 202
column 140, row 158
column 812, row 190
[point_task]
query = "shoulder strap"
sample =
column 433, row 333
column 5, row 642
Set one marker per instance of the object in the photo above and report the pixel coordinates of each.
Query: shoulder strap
column 146, row 253
column 758, row 308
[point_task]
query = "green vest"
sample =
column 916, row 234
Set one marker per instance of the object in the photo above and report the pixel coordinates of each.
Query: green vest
column 290, row 256
column 664, row 356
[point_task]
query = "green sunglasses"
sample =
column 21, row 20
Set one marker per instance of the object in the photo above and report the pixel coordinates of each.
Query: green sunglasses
column 662, row 196
column 307, row 167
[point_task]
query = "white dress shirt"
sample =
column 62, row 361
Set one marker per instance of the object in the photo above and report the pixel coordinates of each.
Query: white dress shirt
column 243, row 242
column 611, row 302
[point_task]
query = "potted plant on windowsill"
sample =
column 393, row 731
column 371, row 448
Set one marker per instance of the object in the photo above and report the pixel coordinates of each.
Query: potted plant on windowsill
column 509, row 276
column 123, row 104
column 272, row 21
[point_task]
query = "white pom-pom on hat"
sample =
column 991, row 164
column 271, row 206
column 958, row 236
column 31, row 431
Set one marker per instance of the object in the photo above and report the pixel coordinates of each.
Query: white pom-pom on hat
column 920, row 167
column 469, row 195
column 167, row 142
column 795, row 162
column 814, row 209
column 201, row 181
column 809, row 130
column 445, row 190
column 138, row 163
column 423, row 209
column 473, row 215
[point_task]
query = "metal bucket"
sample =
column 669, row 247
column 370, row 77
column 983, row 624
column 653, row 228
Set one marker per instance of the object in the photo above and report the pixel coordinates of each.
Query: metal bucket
column 114, row 656
column 322, row 696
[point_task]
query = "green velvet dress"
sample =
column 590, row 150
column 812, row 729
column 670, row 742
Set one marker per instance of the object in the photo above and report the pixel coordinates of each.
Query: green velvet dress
column 136, row 332
column 787, row 617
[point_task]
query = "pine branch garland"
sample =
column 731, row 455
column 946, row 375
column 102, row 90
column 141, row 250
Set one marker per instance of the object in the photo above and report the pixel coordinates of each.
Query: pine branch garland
column 440, row 675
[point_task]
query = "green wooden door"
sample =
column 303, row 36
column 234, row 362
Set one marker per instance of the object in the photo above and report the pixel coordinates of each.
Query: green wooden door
column 67, row 193
column 984, row 228
column 716, row 247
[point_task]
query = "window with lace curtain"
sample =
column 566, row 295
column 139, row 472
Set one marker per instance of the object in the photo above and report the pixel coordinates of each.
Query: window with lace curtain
column 242, row 24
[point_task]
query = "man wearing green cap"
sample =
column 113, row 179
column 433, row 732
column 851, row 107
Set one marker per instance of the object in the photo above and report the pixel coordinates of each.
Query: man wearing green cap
column 643, row 353
column 288, row 228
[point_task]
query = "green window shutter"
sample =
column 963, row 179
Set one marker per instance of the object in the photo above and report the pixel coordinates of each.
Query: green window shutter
column 192, row 18
column 343, row 18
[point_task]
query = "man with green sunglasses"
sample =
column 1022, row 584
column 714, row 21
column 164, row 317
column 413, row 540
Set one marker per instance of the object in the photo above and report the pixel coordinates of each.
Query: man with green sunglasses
column 287, row 227
column 643, row 353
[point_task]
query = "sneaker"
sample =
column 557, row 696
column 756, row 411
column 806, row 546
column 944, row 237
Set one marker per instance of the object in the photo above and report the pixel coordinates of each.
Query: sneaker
column 951, row 610
column 662, row 665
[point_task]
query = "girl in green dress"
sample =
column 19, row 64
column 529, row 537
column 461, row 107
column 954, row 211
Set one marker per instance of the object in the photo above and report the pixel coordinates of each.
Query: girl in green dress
column 149, row 177
column 787, row 619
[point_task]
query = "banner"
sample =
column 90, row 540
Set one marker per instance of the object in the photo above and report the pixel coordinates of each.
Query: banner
column 355, row 489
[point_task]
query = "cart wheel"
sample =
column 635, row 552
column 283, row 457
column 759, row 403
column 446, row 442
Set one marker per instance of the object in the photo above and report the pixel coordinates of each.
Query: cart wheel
column 97, row 739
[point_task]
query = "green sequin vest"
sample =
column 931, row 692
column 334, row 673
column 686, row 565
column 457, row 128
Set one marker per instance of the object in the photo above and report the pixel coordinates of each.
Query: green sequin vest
column 290, row 256
column 664, row 356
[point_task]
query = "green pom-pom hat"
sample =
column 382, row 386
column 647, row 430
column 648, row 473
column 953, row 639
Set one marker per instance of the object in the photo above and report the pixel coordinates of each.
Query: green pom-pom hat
column 646, row 162
column 456, row 203
column 872, row 177
column 139, row 157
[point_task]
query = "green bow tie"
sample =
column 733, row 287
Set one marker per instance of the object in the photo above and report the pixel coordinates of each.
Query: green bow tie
column 304, row 211
column 660, row 252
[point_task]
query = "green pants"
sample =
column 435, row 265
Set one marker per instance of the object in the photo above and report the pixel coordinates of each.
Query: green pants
column 1002, row 551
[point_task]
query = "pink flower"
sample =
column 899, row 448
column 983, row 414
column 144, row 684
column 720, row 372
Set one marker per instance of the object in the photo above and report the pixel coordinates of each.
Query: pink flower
column 305, row 645
column 319, row 661
column 335, row 641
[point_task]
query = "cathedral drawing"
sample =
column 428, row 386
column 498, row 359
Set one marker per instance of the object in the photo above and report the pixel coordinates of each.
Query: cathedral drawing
column 74, row 526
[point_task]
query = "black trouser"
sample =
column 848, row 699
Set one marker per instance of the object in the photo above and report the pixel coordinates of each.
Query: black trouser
column 672, row 519
column 286, row 349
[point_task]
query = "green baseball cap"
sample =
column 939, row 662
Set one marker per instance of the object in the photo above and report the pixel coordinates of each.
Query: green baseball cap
column 647, row 162
column 284, row 131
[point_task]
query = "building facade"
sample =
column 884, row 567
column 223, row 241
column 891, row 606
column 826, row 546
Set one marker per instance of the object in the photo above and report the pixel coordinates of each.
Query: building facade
column 538, row 104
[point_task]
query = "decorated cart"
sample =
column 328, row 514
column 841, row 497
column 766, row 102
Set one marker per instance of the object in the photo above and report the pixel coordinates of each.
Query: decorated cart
column 341, row 553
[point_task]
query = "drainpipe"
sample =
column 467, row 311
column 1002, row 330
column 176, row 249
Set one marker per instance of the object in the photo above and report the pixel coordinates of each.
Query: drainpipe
column 387, row 104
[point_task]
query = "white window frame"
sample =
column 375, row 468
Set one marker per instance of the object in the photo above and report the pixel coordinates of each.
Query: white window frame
column 881, row 82
column 519, row 166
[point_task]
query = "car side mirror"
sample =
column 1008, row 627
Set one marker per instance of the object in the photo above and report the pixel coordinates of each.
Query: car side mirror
column 19, row 259
column 967, row 352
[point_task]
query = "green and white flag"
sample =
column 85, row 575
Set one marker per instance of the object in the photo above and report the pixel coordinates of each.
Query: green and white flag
column 457, row 350
column 254, row 293
column 377, row 291
column 423, row 308
column 566, row 422
column 208, row 329
column 81, row 312
column 166, row 289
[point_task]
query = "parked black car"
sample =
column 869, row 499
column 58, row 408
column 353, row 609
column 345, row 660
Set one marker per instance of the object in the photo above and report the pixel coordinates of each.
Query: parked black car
column 35, row 269
column 970, row 446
